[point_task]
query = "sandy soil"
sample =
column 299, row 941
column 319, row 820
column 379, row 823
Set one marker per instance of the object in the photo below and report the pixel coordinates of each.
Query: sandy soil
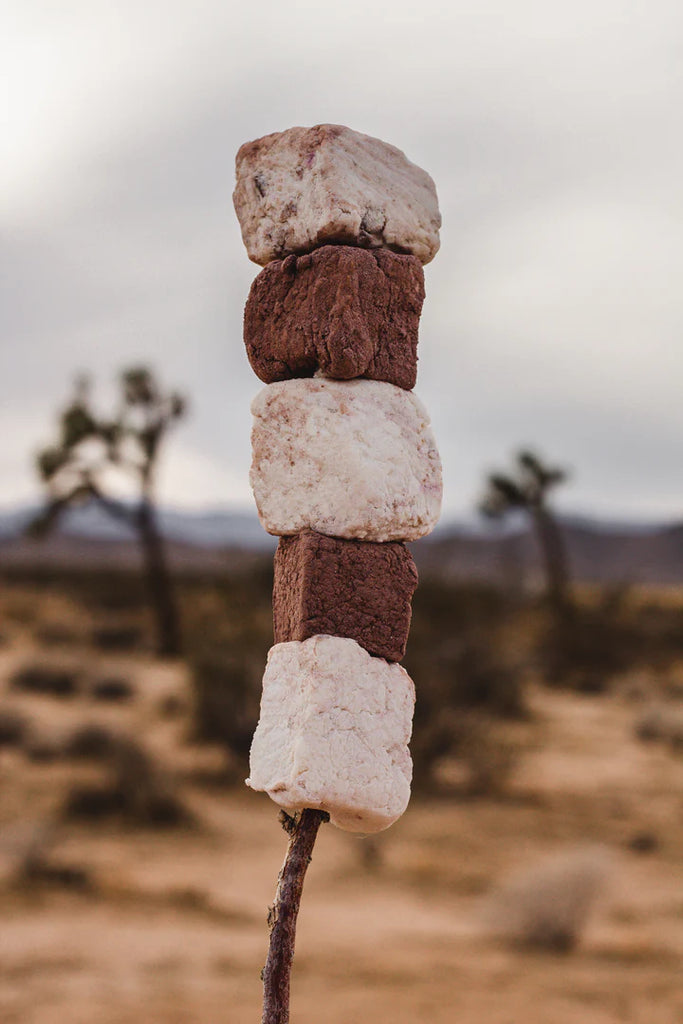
column 172, row 929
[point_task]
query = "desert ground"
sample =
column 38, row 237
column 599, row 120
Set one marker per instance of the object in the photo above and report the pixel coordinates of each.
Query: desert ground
column 111, row 921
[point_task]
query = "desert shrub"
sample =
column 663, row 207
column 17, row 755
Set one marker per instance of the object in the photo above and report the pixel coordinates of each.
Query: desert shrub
column 112, row 689
column 148, row 792
column 63, row 876
column 548, row 906
column 43, row 747
column 586, row 647
column 650, row 725
column 462, row 675
column 94, row 802
column 107, row 800
column 136, row 790
column 31, row 845
column 20, row 609
column 454, row 649
column 111, row 591
column 227, row 638
column 56, row 634
column 13, row 727
column 172, row 705
column 27, row 843
column 674, row 689
column 675, row 736
column 227, row 686
column 94, row 588
column 476, row 741
column 118, row 637
column 644, row 842
column 593, row 642
column 659, row 628
column 459, row 688
column 46, row 679
column 660, row 722
column 488, row 755
column 91, row 740
column 441, row 607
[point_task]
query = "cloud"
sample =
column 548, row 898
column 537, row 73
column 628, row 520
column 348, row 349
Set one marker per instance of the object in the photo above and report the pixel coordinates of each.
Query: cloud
column 23, row 435
column 193, row 479
column 553, row 311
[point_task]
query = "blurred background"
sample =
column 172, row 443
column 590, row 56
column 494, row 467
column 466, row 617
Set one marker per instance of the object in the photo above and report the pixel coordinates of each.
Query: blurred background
column 537, row 874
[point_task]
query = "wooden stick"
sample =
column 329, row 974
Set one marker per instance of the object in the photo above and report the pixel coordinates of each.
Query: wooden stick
column 302, row 831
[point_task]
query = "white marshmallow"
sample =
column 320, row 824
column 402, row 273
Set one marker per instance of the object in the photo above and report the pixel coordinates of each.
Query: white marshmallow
column 306, row 187
column 354, row 459
column 333, row 733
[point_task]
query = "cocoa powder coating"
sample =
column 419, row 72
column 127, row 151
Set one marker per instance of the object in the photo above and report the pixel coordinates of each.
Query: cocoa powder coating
column 348, row 588
column 343, row 311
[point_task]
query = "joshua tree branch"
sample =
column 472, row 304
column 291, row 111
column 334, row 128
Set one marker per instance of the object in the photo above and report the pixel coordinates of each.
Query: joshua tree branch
column 283, row 914
column 116, row 509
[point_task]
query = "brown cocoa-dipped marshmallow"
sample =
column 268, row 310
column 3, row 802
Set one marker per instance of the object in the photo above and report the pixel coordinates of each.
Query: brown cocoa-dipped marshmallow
column 343, row 311
column 348, row 588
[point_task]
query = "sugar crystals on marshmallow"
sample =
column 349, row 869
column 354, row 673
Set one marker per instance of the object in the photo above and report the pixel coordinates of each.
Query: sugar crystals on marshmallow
column 354, row 459
column 306, row 187
column 333, row 733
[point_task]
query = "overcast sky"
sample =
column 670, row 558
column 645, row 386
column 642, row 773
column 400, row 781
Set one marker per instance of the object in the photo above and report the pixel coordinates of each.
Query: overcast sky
column 554, row 310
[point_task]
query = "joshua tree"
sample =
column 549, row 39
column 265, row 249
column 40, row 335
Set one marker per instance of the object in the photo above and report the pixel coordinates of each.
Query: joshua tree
column 527, row 489
column 75, row 470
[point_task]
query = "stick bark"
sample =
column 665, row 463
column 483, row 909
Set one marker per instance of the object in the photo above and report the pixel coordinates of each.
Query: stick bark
column 282, row 915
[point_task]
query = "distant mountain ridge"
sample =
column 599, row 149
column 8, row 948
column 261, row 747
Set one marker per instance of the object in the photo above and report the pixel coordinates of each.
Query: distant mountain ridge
column 213, row 528
column 599, row 551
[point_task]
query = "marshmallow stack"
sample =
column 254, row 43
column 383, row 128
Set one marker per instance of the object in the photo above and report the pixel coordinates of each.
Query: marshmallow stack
column 345, row 466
